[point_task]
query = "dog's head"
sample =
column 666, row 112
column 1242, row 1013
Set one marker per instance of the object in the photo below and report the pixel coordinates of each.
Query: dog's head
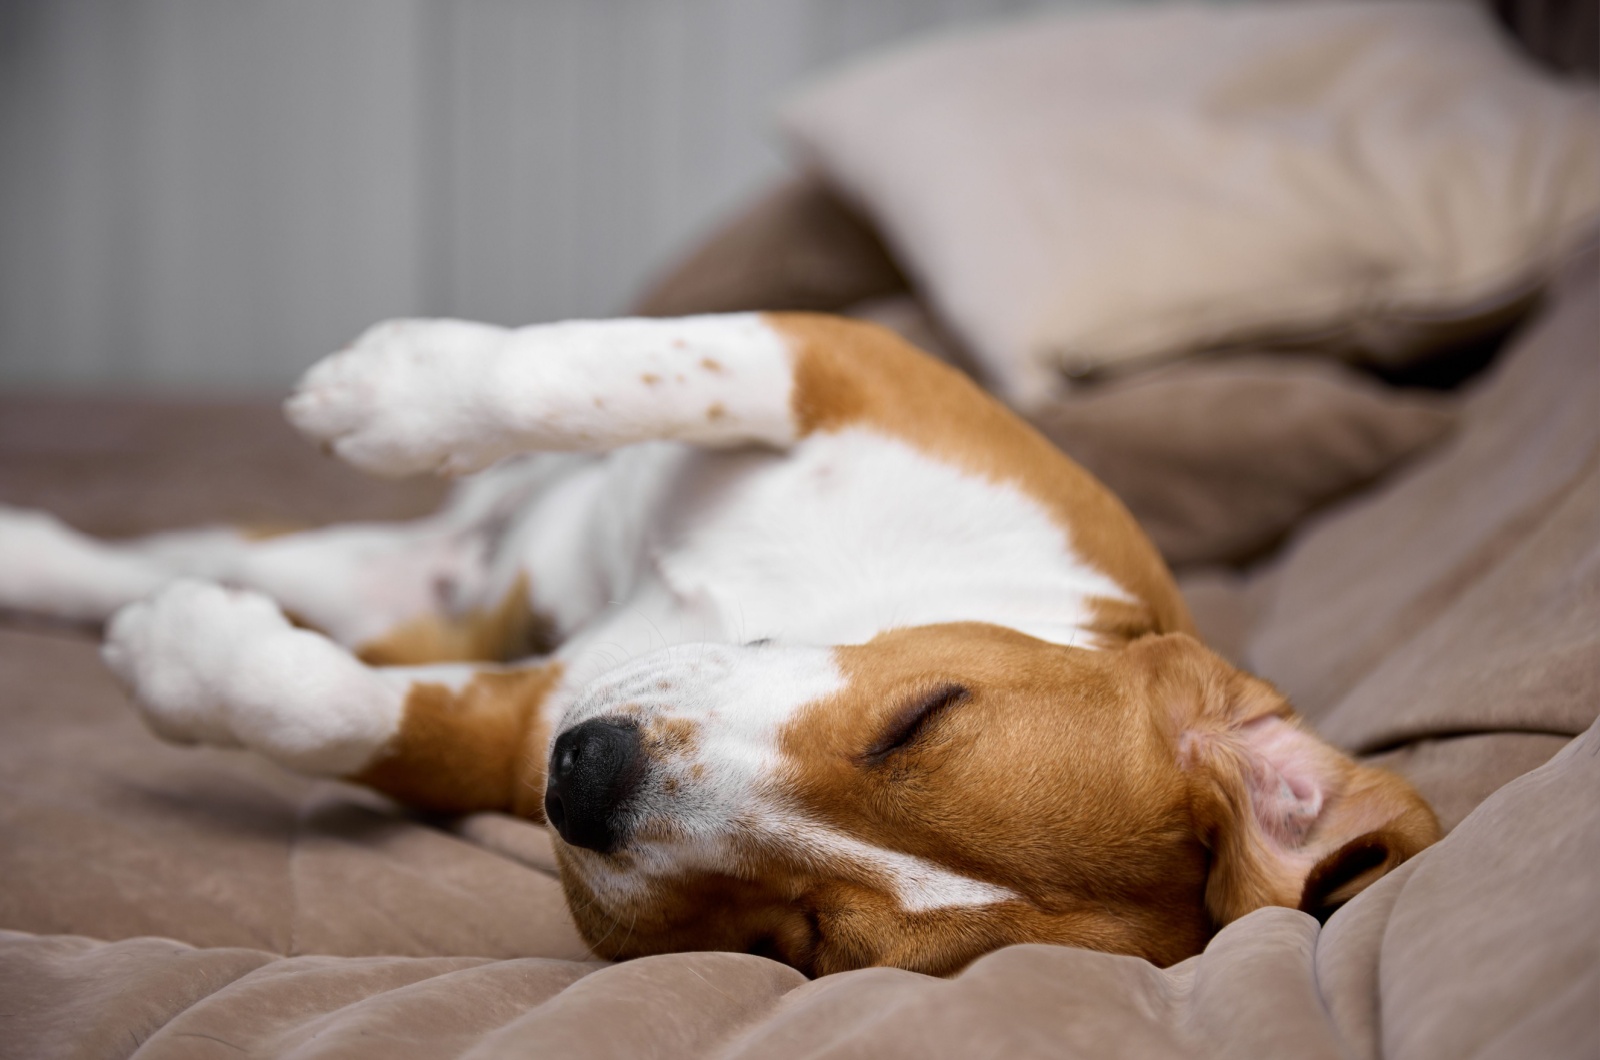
column 942, row 791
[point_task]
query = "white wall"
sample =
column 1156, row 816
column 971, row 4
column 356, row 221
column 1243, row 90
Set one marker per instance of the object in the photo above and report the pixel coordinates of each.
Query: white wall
column 207, row 195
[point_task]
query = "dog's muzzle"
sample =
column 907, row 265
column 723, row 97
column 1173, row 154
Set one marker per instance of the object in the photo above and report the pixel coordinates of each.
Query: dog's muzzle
column 595, row 769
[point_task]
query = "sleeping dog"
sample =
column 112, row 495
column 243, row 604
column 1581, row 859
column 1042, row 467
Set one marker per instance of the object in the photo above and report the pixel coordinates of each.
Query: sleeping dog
column 801, row 644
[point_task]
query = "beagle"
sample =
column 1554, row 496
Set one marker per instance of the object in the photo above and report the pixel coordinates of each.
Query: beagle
column 801, row 643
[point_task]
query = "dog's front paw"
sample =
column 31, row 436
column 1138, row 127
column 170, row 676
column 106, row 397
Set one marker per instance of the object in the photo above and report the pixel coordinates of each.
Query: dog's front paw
column 206, row 664
column 178, row 653
column 407, row 396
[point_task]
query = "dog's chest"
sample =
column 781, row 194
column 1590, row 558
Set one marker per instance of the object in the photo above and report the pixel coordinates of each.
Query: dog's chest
column 842, row 537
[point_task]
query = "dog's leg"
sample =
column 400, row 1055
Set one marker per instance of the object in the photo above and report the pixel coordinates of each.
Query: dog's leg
column 354, row 582
column 207, row 664
column 415, row 592
column 450, row 396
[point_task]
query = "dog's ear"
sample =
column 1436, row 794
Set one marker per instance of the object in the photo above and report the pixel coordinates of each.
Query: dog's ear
column 1289, row 819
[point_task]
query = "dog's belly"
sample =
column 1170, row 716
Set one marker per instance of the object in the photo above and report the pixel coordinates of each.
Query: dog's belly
column 832, row 542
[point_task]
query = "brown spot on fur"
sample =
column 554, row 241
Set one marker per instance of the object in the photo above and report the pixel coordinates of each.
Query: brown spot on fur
column 510, row 630
column 711, row 365
column 671, row 737
column 599, row 403
column 649, row 379
column 716, row 412
column 850, row 373
column 480, row 748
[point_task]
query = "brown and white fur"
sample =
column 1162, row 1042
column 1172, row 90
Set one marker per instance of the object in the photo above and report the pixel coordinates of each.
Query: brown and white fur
column 808, row 645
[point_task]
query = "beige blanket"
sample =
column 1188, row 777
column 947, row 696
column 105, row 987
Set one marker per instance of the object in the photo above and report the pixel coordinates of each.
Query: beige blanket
column 167, row 902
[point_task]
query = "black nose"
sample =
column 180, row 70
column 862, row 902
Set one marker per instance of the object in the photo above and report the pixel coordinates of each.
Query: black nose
column 594, row 769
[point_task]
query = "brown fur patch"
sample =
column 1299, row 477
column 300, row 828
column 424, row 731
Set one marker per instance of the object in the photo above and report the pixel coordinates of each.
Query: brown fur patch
column 480, row 748
column 671, row 737
column 716, row 412
column 711, row 365
column 511, row 630
column 850, row 373
column 1045, row 777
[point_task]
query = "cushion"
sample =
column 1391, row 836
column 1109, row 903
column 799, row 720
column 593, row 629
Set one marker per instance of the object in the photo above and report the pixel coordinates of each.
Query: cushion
column 1083, row 192
column 1218, row 458
column 1465, row 597
column 796, row 247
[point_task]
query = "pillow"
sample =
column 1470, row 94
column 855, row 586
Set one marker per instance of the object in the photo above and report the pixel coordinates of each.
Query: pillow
column 1220, row 457
column 795, row 247
column 1086, row 192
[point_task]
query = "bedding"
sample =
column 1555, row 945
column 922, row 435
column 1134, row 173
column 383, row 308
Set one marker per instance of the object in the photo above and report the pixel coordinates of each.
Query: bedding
column 796, row 246
column 1219, row 458
column 1080, row 194
column 184, row 903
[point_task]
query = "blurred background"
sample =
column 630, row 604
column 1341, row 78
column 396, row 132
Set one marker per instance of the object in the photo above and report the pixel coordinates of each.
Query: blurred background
column 204, row 197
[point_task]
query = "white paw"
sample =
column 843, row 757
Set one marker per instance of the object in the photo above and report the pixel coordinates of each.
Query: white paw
column 407, row 396
column 206, row 664
column 177, row 652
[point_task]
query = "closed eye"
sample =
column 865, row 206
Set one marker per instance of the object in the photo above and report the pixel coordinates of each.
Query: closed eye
column 912, row 720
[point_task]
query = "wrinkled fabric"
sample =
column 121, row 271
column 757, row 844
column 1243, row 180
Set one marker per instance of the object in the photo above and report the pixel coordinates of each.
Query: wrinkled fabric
column 1410, row 968
column 182, row 903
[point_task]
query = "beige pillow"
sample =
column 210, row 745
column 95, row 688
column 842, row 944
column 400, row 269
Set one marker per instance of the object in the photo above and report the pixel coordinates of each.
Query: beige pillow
column 1083, row 192
column 1220, row 457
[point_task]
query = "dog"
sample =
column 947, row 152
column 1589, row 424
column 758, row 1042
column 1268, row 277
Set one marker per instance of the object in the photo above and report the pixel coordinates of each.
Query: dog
column 801, row 643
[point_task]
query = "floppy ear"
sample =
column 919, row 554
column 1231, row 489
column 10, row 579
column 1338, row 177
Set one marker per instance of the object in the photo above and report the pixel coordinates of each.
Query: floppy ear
column 1289, row 819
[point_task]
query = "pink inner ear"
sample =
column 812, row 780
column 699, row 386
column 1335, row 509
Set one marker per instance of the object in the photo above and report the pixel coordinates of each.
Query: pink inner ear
column 1287, row 778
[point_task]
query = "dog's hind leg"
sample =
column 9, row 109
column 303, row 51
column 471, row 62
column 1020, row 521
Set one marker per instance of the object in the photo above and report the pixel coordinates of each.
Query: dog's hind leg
column 211, row 665
column 418, row 591
column 354, row 582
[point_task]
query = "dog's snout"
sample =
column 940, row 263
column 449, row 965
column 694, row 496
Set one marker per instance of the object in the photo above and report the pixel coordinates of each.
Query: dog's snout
column 595, row 768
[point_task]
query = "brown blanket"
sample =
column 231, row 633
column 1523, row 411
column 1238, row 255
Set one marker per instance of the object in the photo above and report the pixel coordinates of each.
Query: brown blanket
column 173, row 902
